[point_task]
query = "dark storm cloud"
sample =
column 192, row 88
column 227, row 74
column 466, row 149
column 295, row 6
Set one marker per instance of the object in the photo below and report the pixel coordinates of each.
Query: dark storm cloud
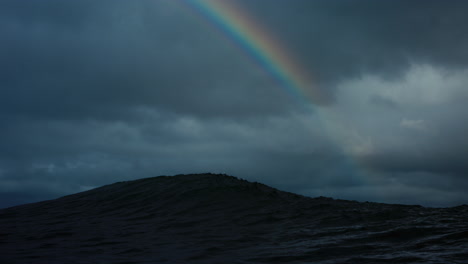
column 106, row 58
column 93, row 92
column 96, row 52
column 340, row 39
column 429, row 155
column 58, row 157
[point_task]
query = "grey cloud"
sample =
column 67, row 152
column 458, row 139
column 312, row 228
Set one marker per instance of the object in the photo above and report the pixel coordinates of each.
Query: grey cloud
column 382, row 101
column 64, row 156
column 125, row 56
column 93, row 92
column 337, row 40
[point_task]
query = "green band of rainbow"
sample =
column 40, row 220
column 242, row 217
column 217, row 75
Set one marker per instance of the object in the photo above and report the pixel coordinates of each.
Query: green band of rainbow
column 260, row 45
column 255, row 41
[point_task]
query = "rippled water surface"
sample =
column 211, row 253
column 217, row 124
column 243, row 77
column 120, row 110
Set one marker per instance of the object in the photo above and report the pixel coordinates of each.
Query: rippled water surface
column 220, row 219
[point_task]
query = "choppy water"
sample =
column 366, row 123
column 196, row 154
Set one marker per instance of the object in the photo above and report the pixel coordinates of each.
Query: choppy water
column 220, row 219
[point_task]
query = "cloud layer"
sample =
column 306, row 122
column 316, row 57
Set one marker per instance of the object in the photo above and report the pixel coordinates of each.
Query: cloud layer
column 94, row 92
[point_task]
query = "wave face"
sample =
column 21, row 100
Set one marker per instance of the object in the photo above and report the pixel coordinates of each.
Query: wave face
column 208, row 218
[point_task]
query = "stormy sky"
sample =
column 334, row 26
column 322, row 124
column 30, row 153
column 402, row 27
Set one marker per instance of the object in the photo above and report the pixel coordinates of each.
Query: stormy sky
column 95, row 92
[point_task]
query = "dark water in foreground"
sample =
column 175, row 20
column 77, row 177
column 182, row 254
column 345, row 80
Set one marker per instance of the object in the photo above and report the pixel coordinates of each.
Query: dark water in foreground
column 220, row 219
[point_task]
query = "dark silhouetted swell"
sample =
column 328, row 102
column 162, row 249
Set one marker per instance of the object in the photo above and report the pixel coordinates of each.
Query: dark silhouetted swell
column 207, row 218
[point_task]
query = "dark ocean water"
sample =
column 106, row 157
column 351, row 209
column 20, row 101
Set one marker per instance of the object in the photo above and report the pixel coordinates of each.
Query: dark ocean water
column 220, row 219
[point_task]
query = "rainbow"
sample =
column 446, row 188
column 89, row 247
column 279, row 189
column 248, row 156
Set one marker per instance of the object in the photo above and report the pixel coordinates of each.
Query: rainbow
column 264, row 49
column 260, row 45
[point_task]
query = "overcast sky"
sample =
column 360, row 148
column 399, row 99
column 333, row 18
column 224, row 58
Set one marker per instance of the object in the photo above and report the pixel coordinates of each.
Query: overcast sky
column 95, row 92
